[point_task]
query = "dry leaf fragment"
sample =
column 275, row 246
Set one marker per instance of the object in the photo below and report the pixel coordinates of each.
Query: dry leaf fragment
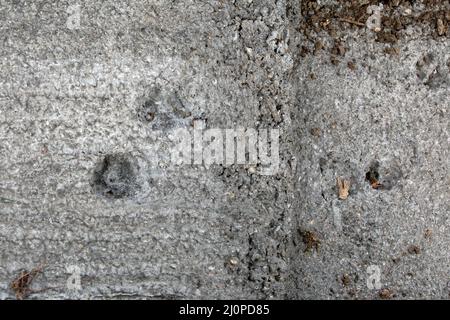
column 441, row 28
column 343, row 188
column 375, row 184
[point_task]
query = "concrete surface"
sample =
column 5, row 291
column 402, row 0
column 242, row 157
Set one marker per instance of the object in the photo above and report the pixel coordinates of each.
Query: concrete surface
column 88, row 192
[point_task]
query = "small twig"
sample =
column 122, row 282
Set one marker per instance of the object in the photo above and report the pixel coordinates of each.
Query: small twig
column 21, row 285
column 352, row 22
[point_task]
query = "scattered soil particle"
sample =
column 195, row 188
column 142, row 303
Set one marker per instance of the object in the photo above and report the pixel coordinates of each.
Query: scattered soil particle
column 311, row 240
column 393, row 51
column 21, row 284
column 334, row 60
column 338, row 49
column 304, row 51
column 386, row 293
column 149, row 116
column 316, row 132
column 318, row 46
column 428, row 234
column 413, row 249
column 345, row 279
column 387, row 37
column 351, row 65
column 44, row 149
column 373, row 176
column 334, row 20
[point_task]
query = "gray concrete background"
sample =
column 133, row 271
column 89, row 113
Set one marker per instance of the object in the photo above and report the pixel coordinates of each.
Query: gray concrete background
column 74, row 95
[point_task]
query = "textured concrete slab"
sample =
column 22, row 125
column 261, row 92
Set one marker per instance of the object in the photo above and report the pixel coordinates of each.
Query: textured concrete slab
column 92, row 94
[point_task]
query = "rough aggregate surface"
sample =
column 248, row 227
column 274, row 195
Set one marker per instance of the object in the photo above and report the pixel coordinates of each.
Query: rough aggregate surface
column 87, row 188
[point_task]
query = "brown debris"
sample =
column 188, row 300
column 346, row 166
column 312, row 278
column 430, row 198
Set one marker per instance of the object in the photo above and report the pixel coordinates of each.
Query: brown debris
column 21, row 284
column 372, row 176
column 310, row 240
column 318, row 46
column 375, row 184
column 386, row 293
column 351, row 65
column 304, row 51
column 394, row 51
column 441, row 27
column 316, row 132
column 149, row 116
column 338, row 49
column 334, row 60
column 343, row 188
column 387, row 37
column 332, row 21
column 345, row 279
column 413, row 249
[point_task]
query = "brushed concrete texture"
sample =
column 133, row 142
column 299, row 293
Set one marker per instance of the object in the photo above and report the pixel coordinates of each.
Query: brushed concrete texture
column 87, row 186
column 379, row 115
